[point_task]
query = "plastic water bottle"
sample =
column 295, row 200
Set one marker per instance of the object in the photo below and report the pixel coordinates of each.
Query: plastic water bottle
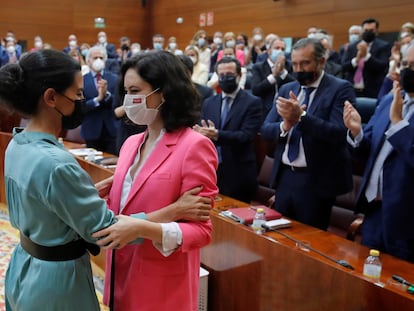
column 258, row 220
column 373, row 266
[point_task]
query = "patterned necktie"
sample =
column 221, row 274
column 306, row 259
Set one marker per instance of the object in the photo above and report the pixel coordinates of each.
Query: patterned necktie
column 358, row 72
column 293, row 150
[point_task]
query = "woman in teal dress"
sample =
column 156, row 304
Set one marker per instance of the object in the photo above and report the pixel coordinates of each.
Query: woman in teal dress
column 51, row 200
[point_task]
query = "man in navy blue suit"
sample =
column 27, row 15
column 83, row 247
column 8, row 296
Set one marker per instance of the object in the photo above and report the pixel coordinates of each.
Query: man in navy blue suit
column 386, row 145
column 365, row 62
column 232, row 120
column 312, row 162
column 99, row 126
column 271, row 74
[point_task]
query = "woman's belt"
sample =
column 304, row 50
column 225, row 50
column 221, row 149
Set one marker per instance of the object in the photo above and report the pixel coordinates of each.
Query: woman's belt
column 69, row 251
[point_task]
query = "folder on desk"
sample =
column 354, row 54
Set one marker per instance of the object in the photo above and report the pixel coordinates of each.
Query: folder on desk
column 245, row 215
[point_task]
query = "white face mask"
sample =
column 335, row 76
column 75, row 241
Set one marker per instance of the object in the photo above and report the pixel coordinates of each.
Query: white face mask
column 102, row 39
column 98, row 64
column 73, row 43
column 230, row 44
column 38, row 44
column 257, row 37
column 11, row 49
column 217, row 40
column 135, row 51
column 172, row 45
column 136, row 109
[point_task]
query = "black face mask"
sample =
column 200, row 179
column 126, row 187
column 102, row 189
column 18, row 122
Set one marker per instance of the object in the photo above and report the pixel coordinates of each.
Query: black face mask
column 407, row 80
column 368, row 36
column 228, row 84
column 305, row 77
column 75, row 119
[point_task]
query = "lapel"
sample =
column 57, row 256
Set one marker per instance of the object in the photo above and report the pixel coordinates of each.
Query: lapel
column 235, row 108
column 320, row 94
column 383, row 122
column 161, row 152
column 267, row 70
column 90, row 87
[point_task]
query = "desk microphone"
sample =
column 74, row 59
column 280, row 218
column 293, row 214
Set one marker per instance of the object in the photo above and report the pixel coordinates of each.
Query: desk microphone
column 341, row 262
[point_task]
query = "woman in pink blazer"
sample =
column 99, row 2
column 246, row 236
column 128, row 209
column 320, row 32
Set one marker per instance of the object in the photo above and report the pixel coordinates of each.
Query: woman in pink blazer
column 160, row 270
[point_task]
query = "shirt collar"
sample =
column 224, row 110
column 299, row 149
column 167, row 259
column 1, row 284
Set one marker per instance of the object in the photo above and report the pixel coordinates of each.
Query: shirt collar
column 231, row 95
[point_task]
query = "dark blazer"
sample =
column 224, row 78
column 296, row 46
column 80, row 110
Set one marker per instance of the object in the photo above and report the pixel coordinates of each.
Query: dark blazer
column 236, row 139
column 398, row 171
column 98, row 117
column 323, row 135
column 375, row 68
column 261, row 86
column 111, row 50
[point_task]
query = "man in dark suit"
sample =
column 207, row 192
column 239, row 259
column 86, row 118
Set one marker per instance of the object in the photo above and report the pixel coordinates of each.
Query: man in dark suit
column 110, row 48
column 270, row 75
column 312, row 162
column 385, row 144
column 365, row 62
column 99, row 126
column 231, row 120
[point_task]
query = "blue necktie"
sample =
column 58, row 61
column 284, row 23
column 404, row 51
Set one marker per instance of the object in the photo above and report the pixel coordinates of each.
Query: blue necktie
column 293, row 151
column 224, row 112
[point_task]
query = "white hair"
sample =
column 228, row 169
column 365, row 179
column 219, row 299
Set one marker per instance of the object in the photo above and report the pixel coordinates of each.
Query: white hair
column 355, row 27
column 97, row 48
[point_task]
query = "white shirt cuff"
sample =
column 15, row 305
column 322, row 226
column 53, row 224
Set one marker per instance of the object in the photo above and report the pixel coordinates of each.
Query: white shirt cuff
column 357, row 140
column 271, row 79
column 172, row 238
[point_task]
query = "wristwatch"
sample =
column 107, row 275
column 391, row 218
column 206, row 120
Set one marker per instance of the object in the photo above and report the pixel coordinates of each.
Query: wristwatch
column 302, row 115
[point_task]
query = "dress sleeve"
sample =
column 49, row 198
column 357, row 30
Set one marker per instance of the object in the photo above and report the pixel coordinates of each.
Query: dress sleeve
column 75, row 200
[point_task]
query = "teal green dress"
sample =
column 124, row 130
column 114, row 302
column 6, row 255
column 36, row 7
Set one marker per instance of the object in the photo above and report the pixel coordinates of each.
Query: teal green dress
column 53, row 201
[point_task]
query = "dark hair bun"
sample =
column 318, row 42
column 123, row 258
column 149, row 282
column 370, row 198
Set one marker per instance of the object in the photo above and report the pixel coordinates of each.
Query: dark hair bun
column 11, row 86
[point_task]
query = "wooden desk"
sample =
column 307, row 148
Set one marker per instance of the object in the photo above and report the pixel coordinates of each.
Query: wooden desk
column 253, row 272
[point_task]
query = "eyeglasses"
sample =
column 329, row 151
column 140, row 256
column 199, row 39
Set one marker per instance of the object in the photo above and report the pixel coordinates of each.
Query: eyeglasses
column 406, row 64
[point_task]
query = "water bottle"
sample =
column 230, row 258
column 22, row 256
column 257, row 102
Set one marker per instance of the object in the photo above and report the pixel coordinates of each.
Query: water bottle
column 373, row 266
column 258, row 220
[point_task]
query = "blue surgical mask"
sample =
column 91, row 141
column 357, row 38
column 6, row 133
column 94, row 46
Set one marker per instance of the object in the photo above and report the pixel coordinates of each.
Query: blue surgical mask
column 275, row 54
column 157, row 46
column 353, row 38
column 201, row 42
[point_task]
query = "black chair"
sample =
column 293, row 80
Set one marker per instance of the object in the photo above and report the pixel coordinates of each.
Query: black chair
column 366, row 107
column 264, row 192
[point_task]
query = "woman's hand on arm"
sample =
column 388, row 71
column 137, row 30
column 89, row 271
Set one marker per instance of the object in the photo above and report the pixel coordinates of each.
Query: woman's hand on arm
column 190, row 206
column 126, row 230
column 104, row 186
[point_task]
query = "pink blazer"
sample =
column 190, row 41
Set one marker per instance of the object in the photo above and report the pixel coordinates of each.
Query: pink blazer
column 144, row 278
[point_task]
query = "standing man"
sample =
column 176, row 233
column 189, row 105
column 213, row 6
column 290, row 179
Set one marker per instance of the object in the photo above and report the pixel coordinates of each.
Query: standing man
column 365, row 62
column 99, row 126
column 271, row 74
column 231, row 120
column 312, row 163
column 386, row 145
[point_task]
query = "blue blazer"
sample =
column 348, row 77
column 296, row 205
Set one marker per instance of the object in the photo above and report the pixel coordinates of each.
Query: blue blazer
column 398, row 171
column 375, row 68
column 237, row 135
column 323, row 135
column 103, row 115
